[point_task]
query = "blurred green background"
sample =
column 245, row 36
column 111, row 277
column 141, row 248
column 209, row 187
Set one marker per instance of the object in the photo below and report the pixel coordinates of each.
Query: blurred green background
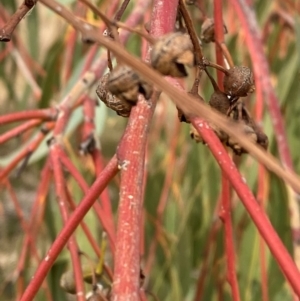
column 190, row 239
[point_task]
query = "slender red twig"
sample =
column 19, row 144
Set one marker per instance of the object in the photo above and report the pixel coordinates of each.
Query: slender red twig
column 263, row 82
column 92, row 146
column 225, row 215
column 28, row 242
column 262, row 75
column 225, row 212
column 26, row 151
column 63, row 206
column 102, row 181
column 258, row 216
column 83, row 185
column 43, row 114
column 19, row 130
column 261, row 198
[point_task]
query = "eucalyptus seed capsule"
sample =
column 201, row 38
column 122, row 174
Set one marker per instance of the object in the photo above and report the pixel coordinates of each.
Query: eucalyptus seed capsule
column 126, row 84
column 121, row 107
column 238, row 81
column 172, row 53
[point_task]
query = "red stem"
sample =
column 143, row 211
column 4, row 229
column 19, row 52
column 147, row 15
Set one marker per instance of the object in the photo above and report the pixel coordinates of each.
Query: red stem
column 131, row 156
column 19, row 130
column 105, row 213
column 261, row 198
column 257, row 214
column 28, row 242
column 85, row 188
column 225, row 212
column 44, row 114
column 262, row 76
column 25, row 152
column 63, row 206
column 225, row 215
column 101, row 182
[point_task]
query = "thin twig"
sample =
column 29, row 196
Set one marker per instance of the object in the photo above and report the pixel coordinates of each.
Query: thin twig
column 257, row 214
column 191, row 30
column 8, row 29
column 101, row 182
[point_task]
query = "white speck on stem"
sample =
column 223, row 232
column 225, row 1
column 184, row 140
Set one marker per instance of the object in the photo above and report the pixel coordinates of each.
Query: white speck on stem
column 58, row 8
column 141, row 117
column 47, row 258
column 130, row 197
column 125, row 164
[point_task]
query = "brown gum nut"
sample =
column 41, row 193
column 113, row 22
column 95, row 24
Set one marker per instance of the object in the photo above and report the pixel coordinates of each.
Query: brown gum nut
column 208, row 30
column 236, row 147
column 171, row 53
column 126, row 84
column 262, row 138
column 121, row 107
column 219, row 101
column 239, row 81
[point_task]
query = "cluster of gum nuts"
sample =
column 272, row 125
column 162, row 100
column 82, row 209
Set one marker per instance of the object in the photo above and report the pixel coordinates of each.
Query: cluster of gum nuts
column 170, row 55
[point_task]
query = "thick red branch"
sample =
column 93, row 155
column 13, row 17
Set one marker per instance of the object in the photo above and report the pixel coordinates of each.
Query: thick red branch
column 131, row 158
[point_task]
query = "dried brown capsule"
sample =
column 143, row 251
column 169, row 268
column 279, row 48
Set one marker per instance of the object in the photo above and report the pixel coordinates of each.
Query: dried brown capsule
column 238, row 81
column 218, row 100
column 236, row 147
column 181, row 116
column 126, row 84
column 171, row 53
column 262, row 138
column 122, row 107
column 244, row 120
column 208, row 30
column 197, row 137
